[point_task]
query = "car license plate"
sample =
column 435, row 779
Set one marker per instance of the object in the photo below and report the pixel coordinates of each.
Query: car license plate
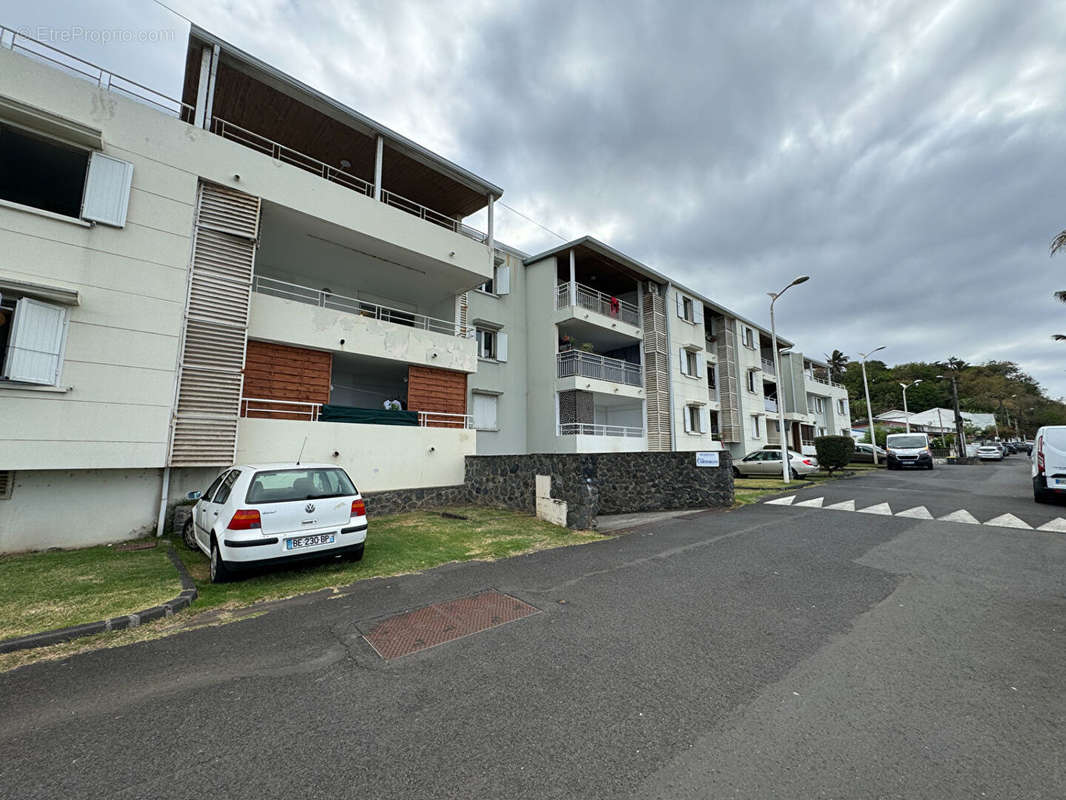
column 1056, row 483
column 309, row 541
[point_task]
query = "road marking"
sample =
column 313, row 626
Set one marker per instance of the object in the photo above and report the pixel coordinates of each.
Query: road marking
column 1058, row 525
column 918, row 512
column 962, row 515
column 781, row 501
column 847, row 505
column 814, row 503
column 880, row 508
column 1009, row 521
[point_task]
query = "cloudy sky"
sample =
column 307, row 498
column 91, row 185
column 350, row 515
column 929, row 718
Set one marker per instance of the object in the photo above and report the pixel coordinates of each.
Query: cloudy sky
column 909, row 156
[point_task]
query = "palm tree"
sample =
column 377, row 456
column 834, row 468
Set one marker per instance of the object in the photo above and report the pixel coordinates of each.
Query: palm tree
column 1059, row 243
column 838, row 363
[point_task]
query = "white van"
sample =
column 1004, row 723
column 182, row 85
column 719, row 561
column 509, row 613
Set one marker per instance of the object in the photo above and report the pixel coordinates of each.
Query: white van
column 1049, row 463
column 908, row 450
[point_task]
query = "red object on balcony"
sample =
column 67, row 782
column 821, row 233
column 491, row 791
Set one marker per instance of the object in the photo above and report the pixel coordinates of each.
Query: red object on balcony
column 616, row 306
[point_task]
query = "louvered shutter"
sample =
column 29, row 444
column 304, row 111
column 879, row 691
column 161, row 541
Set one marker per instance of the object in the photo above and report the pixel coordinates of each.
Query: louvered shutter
column 216, row 328
column 697, row 312
column 705, row 420
column 35, row 345
column 680, row 304
column 700, row 365
column 107, row 190
column 687, row 414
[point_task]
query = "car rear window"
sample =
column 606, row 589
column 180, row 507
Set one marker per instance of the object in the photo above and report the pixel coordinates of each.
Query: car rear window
column 1056, row 437
column 286, row 485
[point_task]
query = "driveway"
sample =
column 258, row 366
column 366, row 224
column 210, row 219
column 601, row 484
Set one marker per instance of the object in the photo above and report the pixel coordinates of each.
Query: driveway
column 775, row 651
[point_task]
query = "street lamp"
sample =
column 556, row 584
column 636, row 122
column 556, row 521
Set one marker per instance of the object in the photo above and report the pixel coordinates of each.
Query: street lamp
column 786, row 466
column 906, row 414
column 869, row 410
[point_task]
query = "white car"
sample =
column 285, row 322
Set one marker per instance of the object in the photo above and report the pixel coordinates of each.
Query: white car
column 256, row 515
column 768, row 462
column 1049, row 463
column 990, row 452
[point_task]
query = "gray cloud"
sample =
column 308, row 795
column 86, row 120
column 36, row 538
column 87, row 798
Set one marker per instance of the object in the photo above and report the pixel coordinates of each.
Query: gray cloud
column 906, row 155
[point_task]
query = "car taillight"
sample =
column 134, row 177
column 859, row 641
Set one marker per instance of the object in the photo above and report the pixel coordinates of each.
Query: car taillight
column 808, row 462
column 245, row 519
column 358, row 508
column 1040, row 457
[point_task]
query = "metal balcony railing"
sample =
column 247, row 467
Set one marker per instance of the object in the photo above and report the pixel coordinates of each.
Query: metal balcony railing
column 592, row 429
column 351, row 305
column 591, row 365
column 770, row 404
column 601, row 303
column 768, row 366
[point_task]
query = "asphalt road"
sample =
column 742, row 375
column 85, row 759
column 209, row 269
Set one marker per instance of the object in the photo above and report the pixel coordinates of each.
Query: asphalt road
column 770, row 652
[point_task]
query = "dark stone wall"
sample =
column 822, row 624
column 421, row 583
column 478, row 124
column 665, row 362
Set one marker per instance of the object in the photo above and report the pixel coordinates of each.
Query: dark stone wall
column 399, row 501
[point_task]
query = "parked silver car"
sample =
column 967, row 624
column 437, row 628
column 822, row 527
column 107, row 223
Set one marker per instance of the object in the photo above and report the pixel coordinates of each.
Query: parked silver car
column 768, row 462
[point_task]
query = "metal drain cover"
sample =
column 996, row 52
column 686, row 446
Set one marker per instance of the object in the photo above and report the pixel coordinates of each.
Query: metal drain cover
column 444, row 622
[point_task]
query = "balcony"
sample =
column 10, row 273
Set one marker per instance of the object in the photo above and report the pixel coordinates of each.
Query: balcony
column 589, row 365
column 768, row 367
column 259, row 408
column 593, row 429
column 597, row 302
column 770, row 404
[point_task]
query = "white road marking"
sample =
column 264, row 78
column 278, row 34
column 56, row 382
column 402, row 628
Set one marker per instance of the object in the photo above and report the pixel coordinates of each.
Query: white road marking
column 813, row 503
column 918, row 512
column 1058, row 525
column 1009, row 521
column 962, row 515
column 781, row 501
column 880, row 508
column 847, row 505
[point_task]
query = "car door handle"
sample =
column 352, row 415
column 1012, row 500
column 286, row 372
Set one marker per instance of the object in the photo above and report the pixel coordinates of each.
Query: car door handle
column 216, row 513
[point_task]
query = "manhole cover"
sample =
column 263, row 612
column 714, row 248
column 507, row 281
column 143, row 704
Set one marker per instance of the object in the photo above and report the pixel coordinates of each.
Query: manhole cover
column 444, row 622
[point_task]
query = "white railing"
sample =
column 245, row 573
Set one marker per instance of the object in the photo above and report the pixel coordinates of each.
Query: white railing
column 429, row 215
column 769, row 404
column 105, row 79
column 768, row 366
column 279, row 152
column 439, row 419
column 601, row 303
column 351, row 305
column 591, row 365
column 592, row 429
column 826, row 381
column 280, row 409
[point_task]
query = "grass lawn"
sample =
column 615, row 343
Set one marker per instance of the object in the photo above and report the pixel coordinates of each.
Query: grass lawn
column 395, row 545
column 752, row 490
column 42, row 591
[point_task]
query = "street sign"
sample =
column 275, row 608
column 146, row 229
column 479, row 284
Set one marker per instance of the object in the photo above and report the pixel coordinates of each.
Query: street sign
column 707, row 459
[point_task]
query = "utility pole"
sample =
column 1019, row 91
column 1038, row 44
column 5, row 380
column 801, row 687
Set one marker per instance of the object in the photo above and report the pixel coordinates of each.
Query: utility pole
column 869, row 408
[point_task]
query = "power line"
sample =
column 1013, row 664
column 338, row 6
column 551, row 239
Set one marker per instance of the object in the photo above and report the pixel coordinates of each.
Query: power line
column 172, row 11
column 530, row 219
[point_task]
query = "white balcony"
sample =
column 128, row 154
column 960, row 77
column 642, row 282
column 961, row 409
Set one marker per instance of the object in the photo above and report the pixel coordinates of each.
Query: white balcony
column 590, row 365
column 262, row 408
column 770, row 404
column 768, row 367
column 588, row 307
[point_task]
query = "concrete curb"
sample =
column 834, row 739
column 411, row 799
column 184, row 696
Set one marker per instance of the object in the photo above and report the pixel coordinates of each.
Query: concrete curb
column 183, row 600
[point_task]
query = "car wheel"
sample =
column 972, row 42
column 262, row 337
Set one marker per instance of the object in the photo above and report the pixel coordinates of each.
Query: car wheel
column 355, row 554
column 736, row 472
column 187, row 536
column 220, row 573
column 795, row 475
column 930, row 466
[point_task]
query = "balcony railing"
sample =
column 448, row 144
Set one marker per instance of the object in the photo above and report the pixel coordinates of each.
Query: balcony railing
column 590, row 365
column 601, row 303
column 770, row 404
column 112, row 82
column 351, row 305
column 768, row 366
column 818, row 379
column 310, row 412
column 105, row 79
column 592, row 429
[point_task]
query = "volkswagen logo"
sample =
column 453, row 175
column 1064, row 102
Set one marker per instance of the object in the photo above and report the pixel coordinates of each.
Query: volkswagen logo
column 310, row 508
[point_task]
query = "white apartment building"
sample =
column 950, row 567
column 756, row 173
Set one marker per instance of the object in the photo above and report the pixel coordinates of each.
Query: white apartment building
column 253, row 271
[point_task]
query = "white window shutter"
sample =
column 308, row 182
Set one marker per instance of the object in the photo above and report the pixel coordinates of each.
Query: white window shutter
column 107, row 190
column 697, row 312
column 705, row 420
column 680, row 304
column 501, row 346
column 700, row 364
column 35, row 347
column 485, row 411
column 503, row 280
column 684, row 363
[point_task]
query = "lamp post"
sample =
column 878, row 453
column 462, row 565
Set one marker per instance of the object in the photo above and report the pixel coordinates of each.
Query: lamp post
column 906, row 414
column 786, row 467
column 869, row 410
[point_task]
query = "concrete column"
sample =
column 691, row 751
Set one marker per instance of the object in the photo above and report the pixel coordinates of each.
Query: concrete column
column 379, row 156
column 201, row 87
column 491, row 241
column 573, row 279
column 209, row 104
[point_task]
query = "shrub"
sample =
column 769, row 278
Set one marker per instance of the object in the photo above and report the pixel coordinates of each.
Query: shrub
column 834, row 452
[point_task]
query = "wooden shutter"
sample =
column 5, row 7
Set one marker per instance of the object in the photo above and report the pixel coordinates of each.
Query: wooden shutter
column 107, row 190
column 35, row 346
column 216, row 328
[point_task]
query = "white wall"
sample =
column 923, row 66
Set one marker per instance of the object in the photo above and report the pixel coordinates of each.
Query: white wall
column 377, row 457
column 687, row 390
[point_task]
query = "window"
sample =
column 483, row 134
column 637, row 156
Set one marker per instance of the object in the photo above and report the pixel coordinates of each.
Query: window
column 749, row 338
column 486, row 343
column 819, row 405
column 53, row 176
column 32, row 339
column 712, row 378
column 688, row 309
column 214, row 485
column 499, row 283
column 227, row 486
column 694, row 420
column 486, row 407
column 287, row 485
column 691, row 363
column 752, row 381
column 714, row 424
column 755, row 431
column 842, row 406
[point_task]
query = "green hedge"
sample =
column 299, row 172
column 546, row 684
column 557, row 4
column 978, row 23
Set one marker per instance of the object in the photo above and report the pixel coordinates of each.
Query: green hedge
column 834, row 452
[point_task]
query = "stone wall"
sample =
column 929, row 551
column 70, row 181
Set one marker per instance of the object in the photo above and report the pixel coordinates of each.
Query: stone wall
column 399, row 501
